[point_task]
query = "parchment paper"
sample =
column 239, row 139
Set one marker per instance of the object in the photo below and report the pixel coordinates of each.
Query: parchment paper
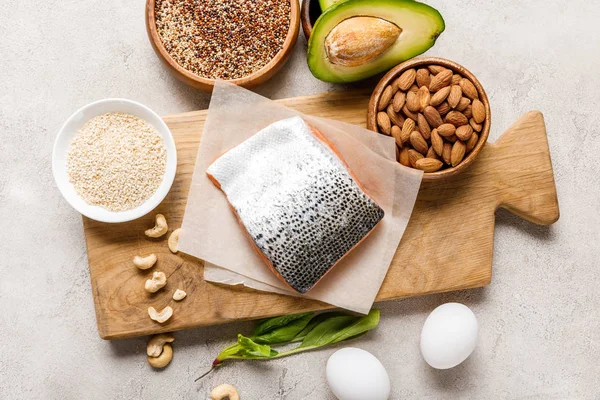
column 210, row 230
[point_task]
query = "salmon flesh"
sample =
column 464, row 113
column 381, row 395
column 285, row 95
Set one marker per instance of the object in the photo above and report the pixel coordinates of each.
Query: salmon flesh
column 297, row 199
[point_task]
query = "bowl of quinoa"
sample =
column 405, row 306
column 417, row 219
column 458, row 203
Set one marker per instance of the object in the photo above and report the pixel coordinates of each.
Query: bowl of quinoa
column 242, row 41
column 114, row 160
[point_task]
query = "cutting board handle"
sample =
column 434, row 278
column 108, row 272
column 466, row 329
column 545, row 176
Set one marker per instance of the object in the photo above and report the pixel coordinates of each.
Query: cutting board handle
column 521, row 165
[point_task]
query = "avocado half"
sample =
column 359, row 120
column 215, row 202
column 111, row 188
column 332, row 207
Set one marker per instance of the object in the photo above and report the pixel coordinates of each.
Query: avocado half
column 419, row 26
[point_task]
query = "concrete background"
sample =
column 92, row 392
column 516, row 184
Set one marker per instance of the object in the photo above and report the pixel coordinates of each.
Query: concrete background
column 540, row 324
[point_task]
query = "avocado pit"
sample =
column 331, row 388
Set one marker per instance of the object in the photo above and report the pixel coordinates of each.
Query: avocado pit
column 358, row 40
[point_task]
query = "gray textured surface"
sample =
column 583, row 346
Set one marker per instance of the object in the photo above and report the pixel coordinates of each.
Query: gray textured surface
column 540, row 324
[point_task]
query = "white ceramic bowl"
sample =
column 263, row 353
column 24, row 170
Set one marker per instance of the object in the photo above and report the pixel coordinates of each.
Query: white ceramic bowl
column 68, row 131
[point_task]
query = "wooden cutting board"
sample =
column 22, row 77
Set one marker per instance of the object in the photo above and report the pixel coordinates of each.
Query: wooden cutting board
column 447, row 245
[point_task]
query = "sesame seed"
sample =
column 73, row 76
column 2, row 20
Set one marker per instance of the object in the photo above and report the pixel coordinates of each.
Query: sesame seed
column 222, row 39
column 116, row 161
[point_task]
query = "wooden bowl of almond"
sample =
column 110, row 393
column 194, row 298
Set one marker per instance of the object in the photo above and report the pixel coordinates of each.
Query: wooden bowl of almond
column 438, row 113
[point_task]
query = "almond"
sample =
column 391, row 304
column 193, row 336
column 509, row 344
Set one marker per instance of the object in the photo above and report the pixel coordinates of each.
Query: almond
column 447, row 152
column 398, row 101
column 456, row 78
column 462, row 104
column 418, row 143
column 476, row 127
column 443, row 108
column 423, row 77
column 385, row 98
column 458, row 153
column 478, row 110
column 456, row 118
column 356, row 41
column 441, row 80
column 406, row 79
column 429, row 164
column 446, row 130
column 405, row 137
column 435, row 69
column 403, row 159
column 396, row 118
column 468, row 112
column 464, row 132
column 423, row 96
column 412, row 102
column 423, row 126
column 408, row 113
column 397, row 134
column 432, row 154
column 432, row 116
column 472, row 142
column 439, row 96
column 414, row 89
column 437, row 143
column 413, row 156
column 452, row 138
column 454, row 96
column 468, row 88
column 407, row 128
column 383, row 121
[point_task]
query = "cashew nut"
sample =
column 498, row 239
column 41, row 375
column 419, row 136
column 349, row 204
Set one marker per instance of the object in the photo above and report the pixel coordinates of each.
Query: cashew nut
column 144, row 262
column 174, row 240
column 156, row 343
column 162, row 316
column 224, row 391
column 159, row 280
column 160, row 227
column 179, row 295
column 163, row 359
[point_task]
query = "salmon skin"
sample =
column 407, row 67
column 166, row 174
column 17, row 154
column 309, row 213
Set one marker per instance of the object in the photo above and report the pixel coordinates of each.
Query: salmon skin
column 297, row 199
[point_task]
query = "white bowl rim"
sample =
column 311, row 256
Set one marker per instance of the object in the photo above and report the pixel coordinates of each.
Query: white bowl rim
column 99, row 213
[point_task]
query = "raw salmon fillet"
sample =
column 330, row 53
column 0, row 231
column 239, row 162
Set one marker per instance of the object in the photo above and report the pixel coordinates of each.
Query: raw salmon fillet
column 298, row 201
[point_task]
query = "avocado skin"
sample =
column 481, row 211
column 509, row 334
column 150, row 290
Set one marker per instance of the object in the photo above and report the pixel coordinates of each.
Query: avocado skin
column 386, row 9
column 325, row 4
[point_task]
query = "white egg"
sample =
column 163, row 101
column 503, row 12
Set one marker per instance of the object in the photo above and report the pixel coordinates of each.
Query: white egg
column 449, row 335
column 355, row 374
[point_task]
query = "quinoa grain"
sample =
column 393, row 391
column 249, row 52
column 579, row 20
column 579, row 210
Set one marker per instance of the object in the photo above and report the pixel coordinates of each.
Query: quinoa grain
column 222, row 39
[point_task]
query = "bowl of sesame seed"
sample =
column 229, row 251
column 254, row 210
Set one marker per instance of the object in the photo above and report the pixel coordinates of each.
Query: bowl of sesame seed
column 114, row 160
column 245, row 42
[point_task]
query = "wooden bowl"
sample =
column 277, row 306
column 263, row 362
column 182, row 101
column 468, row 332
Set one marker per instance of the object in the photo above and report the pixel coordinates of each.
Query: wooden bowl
column 311, row 10
column 206, row 84
column 423, row 62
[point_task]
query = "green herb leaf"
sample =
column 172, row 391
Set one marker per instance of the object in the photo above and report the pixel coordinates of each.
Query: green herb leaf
column 249, row 348
column 339, row 328
column 359, row 327
column 313, row 332
column 284, row 333
column 269, row 324
column 228, row 352
column 324, row 332
column 314, row 322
